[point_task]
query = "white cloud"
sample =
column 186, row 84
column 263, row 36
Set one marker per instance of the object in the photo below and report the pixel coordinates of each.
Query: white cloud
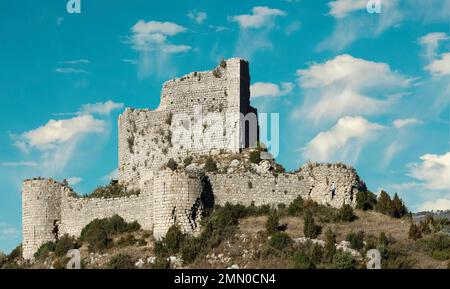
column 153, row 36
column 343, row 86
column 433, row 171
column 435, row 205
column 102, row 108
column 441, row 66
column 19, row 164
column 77, row 61
column 130, row 61
column 60, row 131
column 70, row 70
column 267, row 89
column 255, row 29
column 74, row 180
column 151, row 40
column 293, row 27
column 342, row 142
column 391, row 151
column 431, row 41
column 399, row 123
column 198, row 17
column 262, row 16
column 341, row 8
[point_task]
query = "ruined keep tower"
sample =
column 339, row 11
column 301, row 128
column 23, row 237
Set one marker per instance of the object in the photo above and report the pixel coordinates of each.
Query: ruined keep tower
column 199, row 113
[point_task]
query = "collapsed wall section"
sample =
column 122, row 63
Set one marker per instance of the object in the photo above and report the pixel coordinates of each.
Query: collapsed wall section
column 327, row 184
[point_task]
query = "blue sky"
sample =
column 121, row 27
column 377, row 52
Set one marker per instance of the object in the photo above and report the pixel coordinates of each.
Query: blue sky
column 371, row 90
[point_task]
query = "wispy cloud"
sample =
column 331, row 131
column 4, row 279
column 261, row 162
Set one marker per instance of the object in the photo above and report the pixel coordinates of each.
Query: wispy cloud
column 254, row 29
column 198, row 17
column 102, row 108
column 70, row 70
column 151, row 40
column 19, row 164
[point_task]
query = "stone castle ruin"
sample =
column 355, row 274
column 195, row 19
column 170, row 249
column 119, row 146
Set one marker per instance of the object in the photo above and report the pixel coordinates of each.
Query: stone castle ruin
column 201, row 114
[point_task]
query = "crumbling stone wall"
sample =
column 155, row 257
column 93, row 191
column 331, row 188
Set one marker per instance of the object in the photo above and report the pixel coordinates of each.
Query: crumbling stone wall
column 206, row 104
column 327, row 184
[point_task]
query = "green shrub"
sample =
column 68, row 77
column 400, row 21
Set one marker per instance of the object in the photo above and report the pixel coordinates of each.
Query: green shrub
column 316, row 253
column 174, row 239
column 272, row 223
column 44, row 250
column 128, row 240
column 356, row 240
column 383, row 243
column 172, row 164
column 61, row 263
column 98, row 233
column 436, row 245
column 64, row 244
column 216, row 72
column 255, row 157
column 280, row 241
column 330, row 245
column 296, row 207
column 113, row 190
column 223, row 63
column 448, row 265
column 346, row 213
column 210, row 165
column 310, row 229
column 188, row 160
column 161, row 263
column 365, row 200
column 344, row 260
column 414, row 232
column 15, row 253
column 121, row 261
column 190, row 249
column 441, row 255
column 301, row 261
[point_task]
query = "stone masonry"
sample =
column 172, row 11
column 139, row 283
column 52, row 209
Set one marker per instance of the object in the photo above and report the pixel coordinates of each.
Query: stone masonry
column 193, row 105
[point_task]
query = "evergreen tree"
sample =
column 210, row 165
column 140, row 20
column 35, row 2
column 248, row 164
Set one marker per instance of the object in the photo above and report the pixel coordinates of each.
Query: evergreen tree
column 310, row 229
column 365, row 200
column 384, row 203
column 330, row 245
column 414, row 232
column 398, row 208
column 272, row 223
